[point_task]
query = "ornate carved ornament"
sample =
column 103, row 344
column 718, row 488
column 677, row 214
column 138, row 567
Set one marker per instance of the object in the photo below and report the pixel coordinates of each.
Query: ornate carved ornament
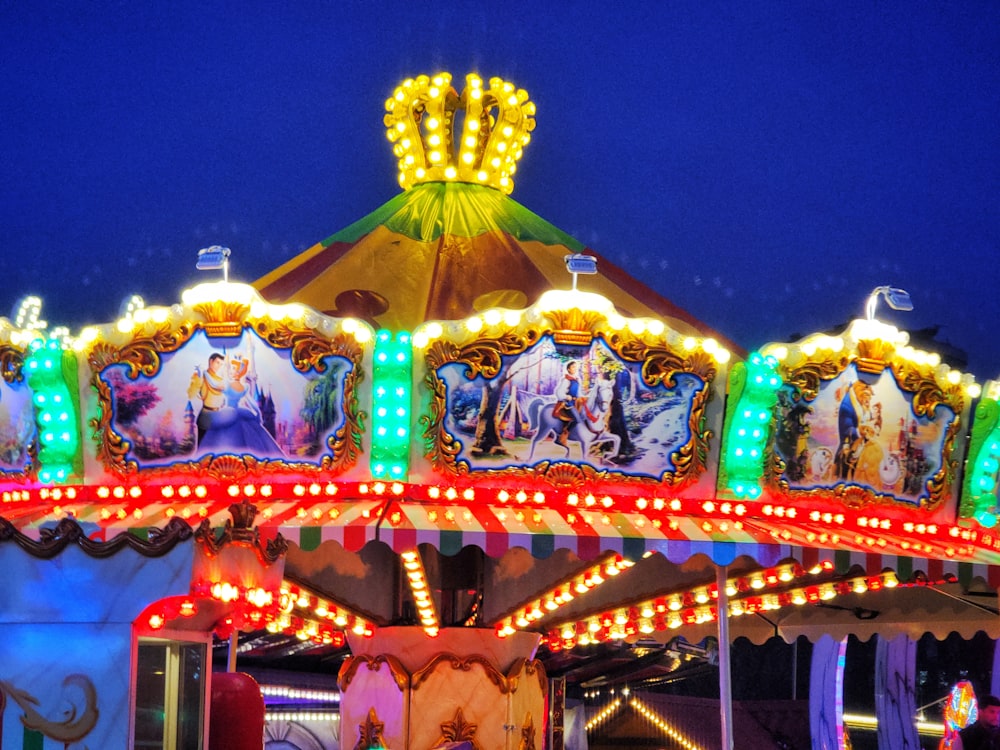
column 533, row 668
column 142, row 354
column 527, row 741
column 458, row 730
column 351, row 664
column 240, row 530
column 464, row 664
column 483, row 356
column 370, row 732
column 11, row 363
column 52, row 541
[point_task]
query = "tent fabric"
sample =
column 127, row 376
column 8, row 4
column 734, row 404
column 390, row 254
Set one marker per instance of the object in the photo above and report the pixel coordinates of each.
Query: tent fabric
column 541, row 530
column 444, row 251
column 402, row 525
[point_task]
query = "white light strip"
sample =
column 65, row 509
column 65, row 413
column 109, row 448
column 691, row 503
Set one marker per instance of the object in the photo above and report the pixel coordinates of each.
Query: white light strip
column 286, row 691
column 864, row 721
column 301, row 716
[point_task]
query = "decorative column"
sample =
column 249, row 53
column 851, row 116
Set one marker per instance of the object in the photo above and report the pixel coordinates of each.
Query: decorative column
column 895, row 700
column 826, row 698
column 237, row 568
column 405, row 690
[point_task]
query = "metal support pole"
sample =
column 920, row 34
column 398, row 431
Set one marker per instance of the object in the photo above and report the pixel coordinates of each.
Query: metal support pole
column 725, row 681
column 234, row 643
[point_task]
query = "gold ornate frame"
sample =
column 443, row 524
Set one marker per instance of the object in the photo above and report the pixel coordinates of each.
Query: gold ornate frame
column 484, row 356
column 806, row 375
column 143, row 355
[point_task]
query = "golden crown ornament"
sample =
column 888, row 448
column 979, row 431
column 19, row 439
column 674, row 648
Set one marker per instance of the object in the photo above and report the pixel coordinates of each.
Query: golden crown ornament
column 483, row 149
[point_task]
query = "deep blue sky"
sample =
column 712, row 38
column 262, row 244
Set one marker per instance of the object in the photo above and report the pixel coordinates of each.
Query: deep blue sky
column 763, row 164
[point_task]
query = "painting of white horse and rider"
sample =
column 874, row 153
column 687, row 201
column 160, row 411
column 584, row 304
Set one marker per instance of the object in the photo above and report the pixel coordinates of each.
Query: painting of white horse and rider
column 583, row 404
column 861, row 429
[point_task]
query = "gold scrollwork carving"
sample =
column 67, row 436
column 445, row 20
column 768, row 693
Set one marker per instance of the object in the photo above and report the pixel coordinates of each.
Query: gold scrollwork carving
column 464, row 664
column 350, row 667
column 482, row 356
column 222, row 311
column 578, row 326
column 11, row 364
column 807, row 376
column 533, row 668
column 536, row 669
column 370, row 734
column 527, row 741
column 143, row 356
column 927, row 392
column 458, row 730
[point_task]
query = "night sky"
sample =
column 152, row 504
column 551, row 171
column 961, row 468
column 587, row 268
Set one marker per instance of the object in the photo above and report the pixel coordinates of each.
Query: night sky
column 763, row 164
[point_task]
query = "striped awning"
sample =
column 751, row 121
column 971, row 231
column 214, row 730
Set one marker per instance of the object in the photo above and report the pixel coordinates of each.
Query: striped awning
column 587, row 534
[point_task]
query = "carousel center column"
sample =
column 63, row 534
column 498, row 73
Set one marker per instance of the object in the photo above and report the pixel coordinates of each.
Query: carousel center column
column 405, row 690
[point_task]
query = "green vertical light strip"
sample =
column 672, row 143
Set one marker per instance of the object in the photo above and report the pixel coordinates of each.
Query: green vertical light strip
column 980, row 496
column 393, row 375
column 55, row 411
column 750, row 427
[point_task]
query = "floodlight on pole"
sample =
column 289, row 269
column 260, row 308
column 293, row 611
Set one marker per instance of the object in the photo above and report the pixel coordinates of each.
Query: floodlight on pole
column 213, row 258
column 897, row 299
column 577, row 263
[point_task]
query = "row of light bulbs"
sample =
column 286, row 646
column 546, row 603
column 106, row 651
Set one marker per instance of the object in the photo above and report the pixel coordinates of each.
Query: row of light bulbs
column 561, row 594
column 623, row 624
column 416, row 578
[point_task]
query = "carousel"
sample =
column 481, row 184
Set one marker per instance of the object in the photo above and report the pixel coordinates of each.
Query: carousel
column 455, row 468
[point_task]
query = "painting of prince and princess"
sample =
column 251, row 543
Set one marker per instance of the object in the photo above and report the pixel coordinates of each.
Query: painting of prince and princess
column 241, row 398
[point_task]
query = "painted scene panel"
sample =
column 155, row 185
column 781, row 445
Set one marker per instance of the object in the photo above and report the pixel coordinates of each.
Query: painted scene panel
column 17, row 426
column 861, row 429
column 234, row 395
column 557, row 402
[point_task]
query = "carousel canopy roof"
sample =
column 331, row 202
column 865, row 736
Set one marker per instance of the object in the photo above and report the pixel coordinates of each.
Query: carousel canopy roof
column 444, row 251
column 453, row 243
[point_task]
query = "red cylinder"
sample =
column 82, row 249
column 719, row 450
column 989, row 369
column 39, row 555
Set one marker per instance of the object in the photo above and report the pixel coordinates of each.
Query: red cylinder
column 237, row 713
